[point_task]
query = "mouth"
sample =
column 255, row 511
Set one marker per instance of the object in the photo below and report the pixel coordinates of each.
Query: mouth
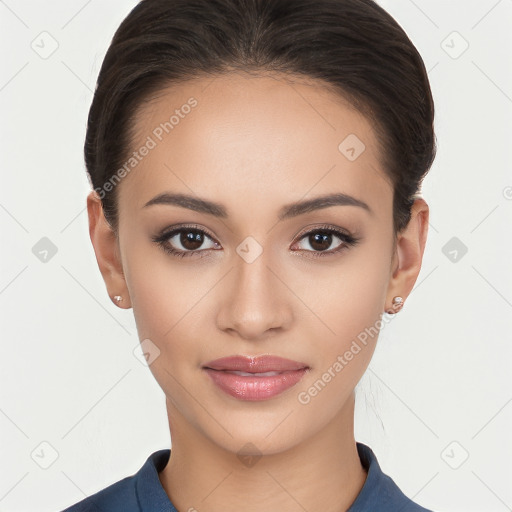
column 255, row 378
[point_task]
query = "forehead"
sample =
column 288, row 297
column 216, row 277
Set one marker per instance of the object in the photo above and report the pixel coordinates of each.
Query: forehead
column 241, row 138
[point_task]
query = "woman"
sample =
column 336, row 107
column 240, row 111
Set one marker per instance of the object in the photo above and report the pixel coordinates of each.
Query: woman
column 256, row 167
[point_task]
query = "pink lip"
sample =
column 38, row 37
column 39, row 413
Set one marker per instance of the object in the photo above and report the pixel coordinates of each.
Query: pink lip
column 257, row 387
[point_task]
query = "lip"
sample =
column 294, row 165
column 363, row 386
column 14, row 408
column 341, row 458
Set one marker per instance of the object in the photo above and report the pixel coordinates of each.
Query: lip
column 287, row 373
column 256, row 364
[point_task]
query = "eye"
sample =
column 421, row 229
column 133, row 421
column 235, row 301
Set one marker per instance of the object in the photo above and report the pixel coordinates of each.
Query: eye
column 319, row 240
column 185, row 241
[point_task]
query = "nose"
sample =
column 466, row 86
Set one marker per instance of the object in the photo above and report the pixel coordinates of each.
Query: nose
column 255, row 302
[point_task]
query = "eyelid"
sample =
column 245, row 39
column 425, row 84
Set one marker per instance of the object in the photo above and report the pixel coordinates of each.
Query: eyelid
column 170, row 231
column 322, row 227
column 348, row 240
column 162, row 239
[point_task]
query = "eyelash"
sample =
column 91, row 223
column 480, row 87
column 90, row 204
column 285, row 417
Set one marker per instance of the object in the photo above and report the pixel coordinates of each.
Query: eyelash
column 162, row 240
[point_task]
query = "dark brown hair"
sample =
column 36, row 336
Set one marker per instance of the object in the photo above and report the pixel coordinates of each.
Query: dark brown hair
column 353, row 46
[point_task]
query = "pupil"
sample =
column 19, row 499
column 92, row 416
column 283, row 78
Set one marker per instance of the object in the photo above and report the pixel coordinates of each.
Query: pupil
column 191, row 240
column 319, row 240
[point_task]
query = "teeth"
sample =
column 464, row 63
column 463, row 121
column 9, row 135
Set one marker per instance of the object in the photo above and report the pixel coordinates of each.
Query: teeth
column 247, row 374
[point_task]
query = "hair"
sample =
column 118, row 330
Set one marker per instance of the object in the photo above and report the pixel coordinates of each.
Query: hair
column 354, row 47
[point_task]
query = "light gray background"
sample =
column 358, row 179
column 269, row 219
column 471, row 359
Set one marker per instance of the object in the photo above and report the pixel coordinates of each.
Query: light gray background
column 75, row 398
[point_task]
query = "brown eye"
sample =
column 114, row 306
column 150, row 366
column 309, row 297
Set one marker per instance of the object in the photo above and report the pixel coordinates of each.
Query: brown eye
column 321, row 241
column 185, row 241
column 190, row 240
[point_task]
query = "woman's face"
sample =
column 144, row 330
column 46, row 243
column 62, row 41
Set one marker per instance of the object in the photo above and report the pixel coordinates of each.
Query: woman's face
column 260, row 282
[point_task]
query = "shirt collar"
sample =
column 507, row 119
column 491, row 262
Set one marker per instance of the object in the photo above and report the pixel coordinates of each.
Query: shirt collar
column 150, row 493
column 374, row 479
column 152, row 496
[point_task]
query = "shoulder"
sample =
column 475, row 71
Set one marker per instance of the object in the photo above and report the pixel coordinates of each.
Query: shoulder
column 380, row 492
column 124, row 495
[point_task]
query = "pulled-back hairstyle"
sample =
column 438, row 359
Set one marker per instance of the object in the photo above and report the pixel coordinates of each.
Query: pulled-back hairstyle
column 353, row 46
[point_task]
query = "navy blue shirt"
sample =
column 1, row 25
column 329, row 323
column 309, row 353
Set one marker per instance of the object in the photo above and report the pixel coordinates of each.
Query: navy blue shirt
column 143, row 492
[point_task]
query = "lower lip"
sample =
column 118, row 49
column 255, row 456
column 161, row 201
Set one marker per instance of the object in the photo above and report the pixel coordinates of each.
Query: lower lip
column 255, row 388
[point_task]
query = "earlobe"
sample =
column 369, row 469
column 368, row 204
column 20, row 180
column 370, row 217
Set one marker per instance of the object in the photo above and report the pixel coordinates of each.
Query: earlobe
column 106, row 248
column 410, row 247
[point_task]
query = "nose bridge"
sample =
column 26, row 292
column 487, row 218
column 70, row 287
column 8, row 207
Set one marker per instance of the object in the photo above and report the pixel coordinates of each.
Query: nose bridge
column 255, row 302
column 253, row 278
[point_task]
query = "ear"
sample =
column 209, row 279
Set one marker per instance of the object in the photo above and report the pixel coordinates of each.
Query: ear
column 408, row 255
column 106, row 248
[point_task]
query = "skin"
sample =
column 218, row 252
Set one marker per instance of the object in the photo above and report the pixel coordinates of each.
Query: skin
column 255, row 144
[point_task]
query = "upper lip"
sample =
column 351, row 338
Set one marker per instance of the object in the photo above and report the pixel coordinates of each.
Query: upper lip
column 256, row 364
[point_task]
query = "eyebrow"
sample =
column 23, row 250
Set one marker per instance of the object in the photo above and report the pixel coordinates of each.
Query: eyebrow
column 288, row 211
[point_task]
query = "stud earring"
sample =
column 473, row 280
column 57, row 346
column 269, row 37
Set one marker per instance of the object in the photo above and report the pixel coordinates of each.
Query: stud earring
column 118, row 298
column 398, row 303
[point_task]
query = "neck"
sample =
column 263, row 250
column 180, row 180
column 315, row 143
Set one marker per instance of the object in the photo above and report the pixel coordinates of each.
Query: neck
column 323, row 473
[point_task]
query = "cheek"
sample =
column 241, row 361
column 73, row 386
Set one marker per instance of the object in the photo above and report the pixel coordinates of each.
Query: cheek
column 352, row 310
column 163, row 291
column 349, row 301
column 166, row 302
column 350, row 297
